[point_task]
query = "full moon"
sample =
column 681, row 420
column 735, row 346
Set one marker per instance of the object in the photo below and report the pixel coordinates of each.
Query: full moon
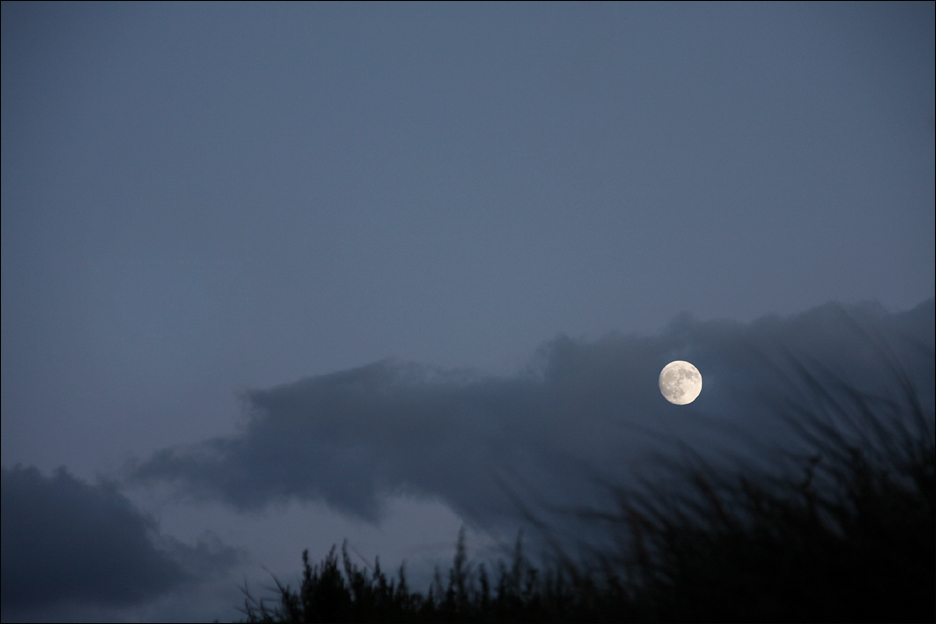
column 680, row 382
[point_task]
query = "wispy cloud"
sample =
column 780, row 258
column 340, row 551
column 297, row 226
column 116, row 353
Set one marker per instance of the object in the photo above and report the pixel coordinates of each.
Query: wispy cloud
column 355, row 437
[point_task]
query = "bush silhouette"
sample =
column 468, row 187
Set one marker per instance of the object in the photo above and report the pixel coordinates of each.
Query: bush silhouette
column 841, row 530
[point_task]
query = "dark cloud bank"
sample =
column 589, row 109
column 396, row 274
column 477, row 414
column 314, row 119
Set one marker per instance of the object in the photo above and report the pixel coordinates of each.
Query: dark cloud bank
column 580, row 414
column 582, row 411
column 76, row 547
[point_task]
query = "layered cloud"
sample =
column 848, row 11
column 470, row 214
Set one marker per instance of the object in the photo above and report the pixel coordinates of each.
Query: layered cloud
column 580, row 413
column 68, row 544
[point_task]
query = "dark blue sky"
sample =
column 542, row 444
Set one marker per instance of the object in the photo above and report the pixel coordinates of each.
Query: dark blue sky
column 204, row 199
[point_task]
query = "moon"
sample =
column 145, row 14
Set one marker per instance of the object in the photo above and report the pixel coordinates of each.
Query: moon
column 680, row 382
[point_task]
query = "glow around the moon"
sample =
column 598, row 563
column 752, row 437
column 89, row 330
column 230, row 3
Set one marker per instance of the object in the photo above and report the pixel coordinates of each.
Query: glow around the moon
column 680, row 382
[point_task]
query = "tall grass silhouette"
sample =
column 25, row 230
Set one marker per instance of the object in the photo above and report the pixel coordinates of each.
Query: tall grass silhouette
column 840, row 527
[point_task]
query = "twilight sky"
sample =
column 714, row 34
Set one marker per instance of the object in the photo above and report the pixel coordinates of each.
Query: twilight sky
column 274, row 274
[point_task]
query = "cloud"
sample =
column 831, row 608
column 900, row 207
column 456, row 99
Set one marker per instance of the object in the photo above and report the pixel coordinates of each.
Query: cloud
column 68, row 544
column 580, row 409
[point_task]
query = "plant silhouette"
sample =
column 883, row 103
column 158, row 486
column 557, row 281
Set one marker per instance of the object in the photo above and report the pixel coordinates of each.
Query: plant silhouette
column 840, row 530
